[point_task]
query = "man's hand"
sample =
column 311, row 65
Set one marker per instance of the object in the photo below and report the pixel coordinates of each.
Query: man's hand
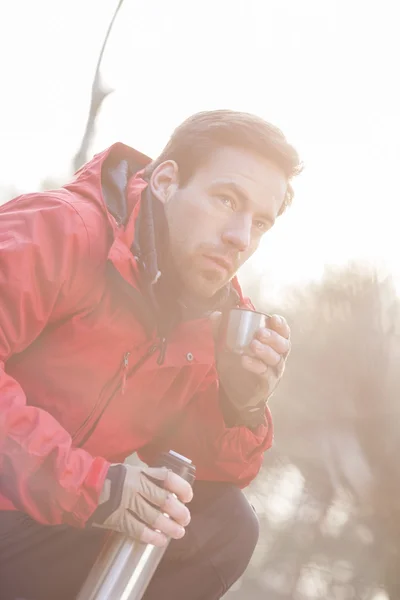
column 268, row 353
column 249, row 379
column 152, row 505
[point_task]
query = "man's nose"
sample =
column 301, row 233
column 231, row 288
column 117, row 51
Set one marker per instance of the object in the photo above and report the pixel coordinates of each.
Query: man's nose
column 238, row 233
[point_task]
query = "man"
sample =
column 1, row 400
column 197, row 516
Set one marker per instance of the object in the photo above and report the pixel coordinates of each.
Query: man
column 111, row 294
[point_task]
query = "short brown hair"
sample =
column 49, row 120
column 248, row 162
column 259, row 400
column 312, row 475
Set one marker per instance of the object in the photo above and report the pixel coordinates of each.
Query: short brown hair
column 192, row 142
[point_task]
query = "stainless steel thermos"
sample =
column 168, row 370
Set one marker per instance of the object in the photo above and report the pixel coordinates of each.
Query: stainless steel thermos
column 124, row 567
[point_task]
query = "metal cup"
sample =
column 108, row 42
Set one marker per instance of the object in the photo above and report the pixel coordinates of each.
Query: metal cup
column 239, row 327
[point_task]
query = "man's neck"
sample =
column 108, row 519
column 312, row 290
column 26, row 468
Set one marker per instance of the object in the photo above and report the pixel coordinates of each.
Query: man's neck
column 194, row 306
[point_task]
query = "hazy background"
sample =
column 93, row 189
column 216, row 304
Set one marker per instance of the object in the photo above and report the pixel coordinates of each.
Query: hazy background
column 325, row 72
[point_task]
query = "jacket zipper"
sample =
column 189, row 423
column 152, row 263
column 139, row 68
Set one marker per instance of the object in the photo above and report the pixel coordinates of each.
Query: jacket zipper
column 124, row 372
column 101, row 405
column 163, row 349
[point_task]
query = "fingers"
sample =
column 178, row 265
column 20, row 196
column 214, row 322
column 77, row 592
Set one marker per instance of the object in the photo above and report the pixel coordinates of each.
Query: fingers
column 138, row 531
column 176, row 510
column 260, row 367
column 158, row 538
column 279, row 324
column 270, row 345
column 169, row 527
column 150, row 536
column 177, row 485
column 269, row 348
column 172, row 482
column 161, row 497
column 254, row 365
column 151, row 516
column 275, row 340
column 266, row 354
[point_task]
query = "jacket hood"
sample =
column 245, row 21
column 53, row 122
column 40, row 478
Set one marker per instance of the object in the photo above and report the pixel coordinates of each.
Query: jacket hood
column 105, row 177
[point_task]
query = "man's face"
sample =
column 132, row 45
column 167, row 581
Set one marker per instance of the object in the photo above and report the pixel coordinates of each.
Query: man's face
column 217, row 220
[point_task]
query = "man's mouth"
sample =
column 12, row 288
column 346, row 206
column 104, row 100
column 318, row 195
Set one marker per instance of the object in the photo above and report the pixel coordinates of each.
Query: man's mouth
column 220, row 262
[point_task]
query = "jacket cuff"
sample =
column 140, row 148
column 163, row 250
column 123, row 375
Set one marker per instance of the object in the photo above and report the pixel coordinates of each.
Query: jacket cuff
column 250, row 417
column 116, row 478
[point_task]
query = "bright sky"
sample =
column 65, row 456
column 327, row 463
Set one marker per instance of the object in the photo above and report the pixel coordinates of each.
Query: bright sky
column 324, row 71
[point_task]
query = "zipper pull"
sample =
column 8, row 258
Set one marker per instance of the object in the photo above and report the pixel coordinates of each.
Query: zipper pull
column 163, row 348
column 125, row 369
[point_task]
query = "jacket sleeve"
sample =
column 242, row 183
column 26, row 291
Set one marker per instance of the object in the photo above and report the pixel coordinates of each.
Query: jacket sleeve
column 44, row 256
column 219, row 452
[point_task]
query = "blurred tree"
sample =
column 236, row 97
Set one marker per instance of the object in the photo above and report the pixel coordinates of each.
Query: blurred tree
column 328, row 492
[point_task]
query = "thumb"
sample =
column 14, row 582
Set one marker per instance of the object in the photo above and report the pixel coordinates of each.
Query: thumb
column 215, row 319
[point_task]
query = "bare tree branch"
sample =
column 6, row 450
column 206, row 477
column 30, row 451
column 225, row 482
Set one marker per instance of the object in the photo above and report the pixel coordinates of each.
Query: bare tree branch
column 99, row 93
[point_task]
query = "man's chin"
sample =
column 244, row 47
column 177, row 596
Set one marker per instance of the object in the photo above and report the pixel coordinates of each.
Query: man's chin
column 206, row 285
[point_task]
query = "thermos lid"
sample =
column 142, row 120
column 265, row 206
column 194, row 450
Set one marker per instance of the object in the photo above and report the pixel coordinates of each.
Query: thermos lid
column 172, row 453
column 178, row 464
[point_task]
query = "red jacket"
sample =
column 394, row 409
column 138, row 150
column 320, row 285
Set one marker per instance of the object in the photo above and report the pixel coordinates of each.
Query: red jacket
column 81, row 380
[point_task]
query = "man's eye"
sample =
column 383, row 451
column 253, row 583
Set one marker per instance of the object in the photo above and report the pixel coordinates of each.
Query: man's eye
column 261, row 226
column 226, row 200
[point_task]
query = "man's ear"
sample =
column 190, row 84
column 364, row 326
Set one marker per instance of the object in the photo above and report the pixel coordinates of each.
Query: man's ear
column 164, row 180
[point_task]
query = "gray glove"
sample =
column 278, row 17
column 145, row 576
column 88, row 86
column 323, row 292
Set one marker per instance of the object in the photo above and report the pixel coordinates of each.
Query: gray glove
column 146, row 504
